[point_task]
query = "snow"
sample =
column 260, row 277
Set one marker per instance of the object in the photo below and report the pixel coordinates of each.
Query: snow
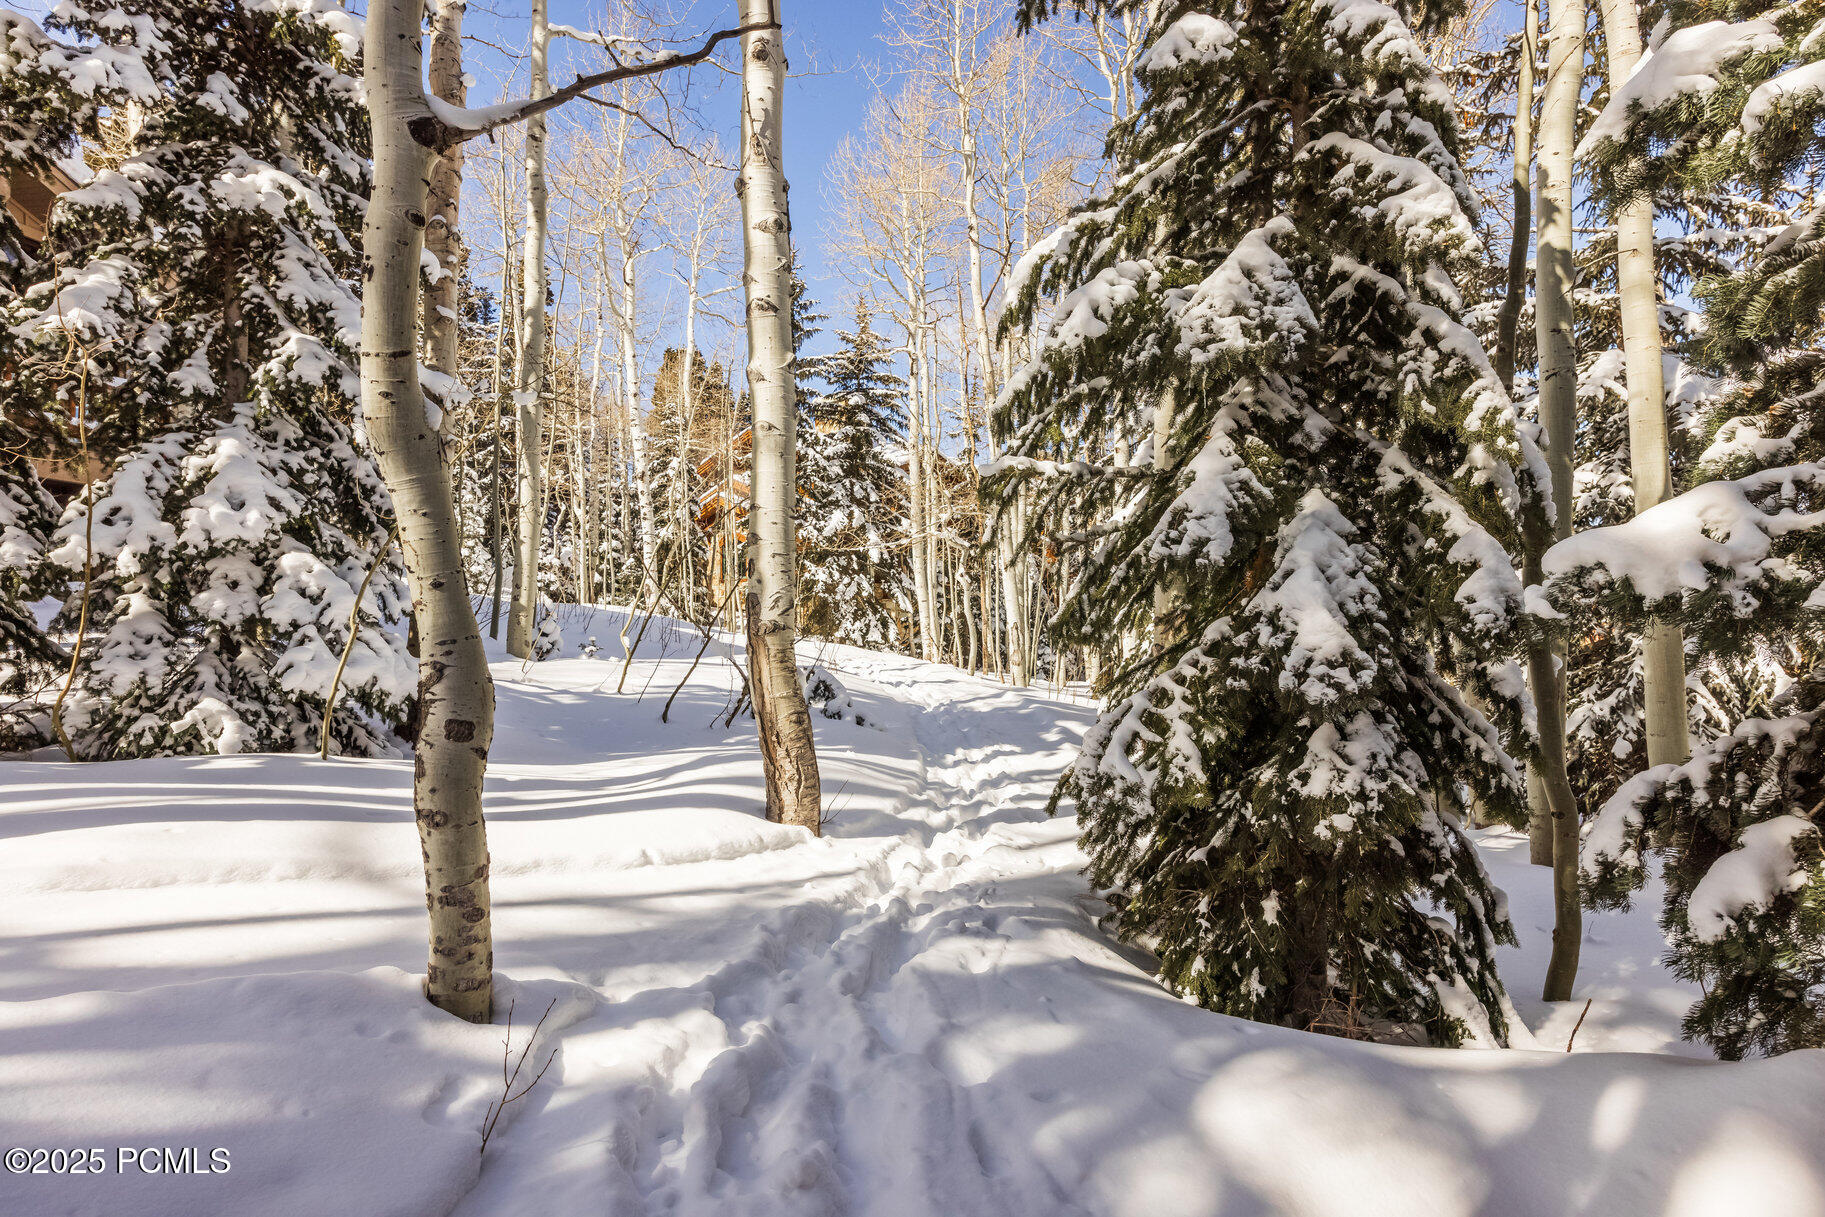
column 1251, row 300
column 1718, row 534
column 1685, row 62
column 1053, row 245
column 1086, row 311
column 1386, row 41
column 1410, row 194
column 1316, row 597
column 477, row 118
column 1193, row 38
column 1808, row 78
column 1761, row 867
column 916, row 1015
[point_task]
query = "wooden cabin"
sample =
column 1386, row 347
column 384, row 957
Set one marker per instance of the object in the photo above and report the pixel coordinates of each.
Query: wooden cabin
column 28, row 199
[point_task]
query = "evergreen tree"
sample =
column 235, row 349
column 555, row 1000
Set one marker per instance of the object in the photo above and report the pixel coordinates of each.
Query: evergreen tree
column 27, row 656
column 855, row 584
column 1324, row 470
column 206, row 276
column 1605, row 723
column 1730, row 106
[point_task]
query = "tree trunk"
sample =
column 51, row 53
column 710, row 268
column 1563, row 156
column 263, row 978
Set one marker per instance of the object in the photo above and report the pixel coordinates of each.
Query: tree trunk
column 1169, row 592
column 456, row 695
column 686, row 467
column 444, row 236
column 526, row 397
column 1558, row 418
column 585, row 465
column 636, row 433
column 1007, row 550
column 793, row 795
column 1664, row 656
column 1508, row 321
column 918, row 508
column 497, row 497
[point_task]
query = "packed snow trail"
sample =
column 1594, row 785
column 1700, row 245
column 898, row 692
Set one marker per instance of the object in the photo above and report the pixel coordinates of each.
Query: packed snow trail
column 915, row 1016
column 764, row 1112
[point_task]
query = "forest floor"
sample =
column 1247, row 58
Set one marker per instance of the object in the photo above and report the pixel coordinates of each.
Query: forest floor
column 915, row 1016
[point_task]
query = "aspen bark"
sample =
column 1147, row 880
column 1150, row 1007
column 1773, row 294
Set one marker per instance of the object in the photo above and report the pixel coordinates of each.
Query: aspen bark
column 1508, row 320
column 455, row 692
column 528, row 408
column 1553, row 277
column 1007, row 550
column 585, row 467
column 630, row 418
column 793, row 794
column 1664, row 654
column 919, row 508
column 443, row 237
column 1539, row 829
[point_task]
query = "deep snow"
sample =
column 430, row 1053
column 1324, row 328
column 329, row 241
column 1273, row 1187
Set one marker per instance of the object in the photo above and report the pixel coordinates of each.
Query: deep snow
column 914, row 1016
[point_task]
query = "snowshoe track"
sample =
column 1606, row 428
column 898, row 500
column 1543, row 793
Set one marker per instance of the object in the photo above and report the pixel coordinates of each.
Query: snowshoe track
column 751, row 1107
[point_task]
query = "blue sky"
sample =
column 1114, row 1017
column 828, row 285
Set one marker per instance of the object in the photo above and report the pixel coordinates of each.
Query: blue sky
column 831, row 45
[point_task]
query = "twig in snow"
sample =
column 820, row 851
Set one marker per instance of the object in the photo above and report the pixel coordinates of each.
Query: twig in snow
column 665, row 715
column 627, row 658
column 508, row 1079
column 829, row 817
column 1580, row 1022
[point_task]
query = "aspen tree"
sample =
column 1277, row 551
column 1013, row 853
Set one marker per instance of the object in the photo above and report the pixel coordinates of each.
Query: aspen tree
column 1553, row 280
column 779, row 698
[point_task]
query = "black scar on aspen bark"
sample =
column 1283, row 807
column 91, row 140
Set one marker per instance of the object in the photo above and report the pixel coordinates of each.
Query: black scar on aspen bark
column 459, row 730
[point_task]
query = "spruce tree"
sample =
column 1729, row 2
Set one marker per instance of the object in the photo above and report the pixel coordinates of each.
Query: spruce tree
column 207, row 276
column 28, row 658
column 1730, row 106
column 855, row 584
column 1310, row 527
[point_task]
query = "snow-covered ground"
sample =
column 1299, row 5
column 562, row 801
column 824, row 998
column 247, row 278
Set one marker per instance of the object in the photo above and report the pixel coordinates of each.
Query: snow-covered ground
column 914, row 1016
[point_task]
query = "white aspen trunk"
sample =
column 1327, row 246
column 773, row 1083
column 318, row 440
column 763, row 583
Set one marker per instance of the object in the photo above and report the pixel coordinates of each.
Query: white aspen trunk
column 1007, row 555
column 1539, row 828
column 915, row 473
column 1508, row 320
column 456, row 695
column 630, row 410
column 1099, row 25
column 497, row 386
column 443, row 237
column 528, row 409
column 687, row 419
column 784, row 721
column 934, row 501
column 1553, row 277
column 1664, row 654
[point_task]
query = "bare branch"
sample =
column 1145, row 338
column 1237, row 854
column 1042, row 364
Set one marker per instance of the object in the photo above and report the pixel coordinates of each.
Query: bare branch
column 435, row 133
column 644, row 121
